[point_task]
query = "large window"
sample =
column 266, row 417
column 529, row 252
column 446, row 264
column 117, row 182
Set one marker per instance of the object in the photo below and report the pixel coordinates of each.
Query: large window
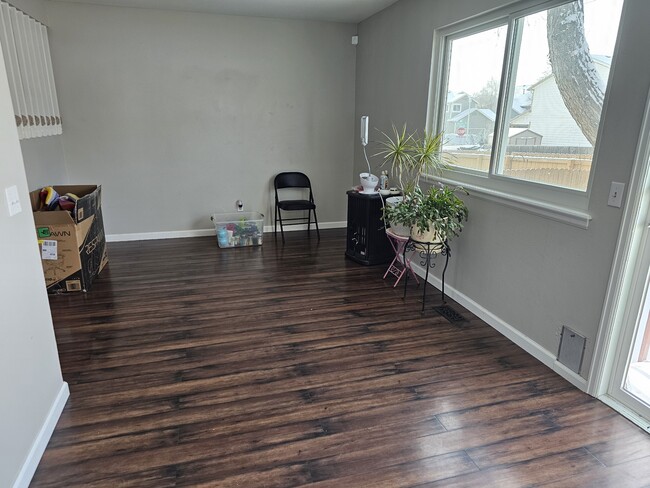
column 530, row 85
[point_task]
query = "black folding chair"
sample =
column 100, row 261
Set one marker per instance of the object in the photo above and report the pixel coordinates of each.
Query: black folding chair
column 293, row 179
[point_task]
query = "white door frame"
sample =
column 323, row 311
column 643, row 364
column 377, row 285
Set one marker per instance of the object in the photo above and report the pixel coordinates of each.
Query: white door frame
column 636, row 216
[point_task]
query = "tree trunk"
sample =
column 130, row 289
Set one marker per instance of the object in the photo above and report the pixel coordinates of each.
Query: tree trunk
column 580, row 85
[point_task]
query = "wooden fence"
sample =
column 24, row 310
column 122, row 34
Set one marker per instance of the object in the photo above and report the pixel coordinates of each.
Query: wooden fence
column 566, row 170
column 567, row 178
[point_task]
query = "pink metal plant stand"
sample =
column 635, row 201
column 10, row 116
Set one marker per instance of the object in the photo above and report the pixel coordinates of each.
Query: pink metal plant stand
column 400, row 263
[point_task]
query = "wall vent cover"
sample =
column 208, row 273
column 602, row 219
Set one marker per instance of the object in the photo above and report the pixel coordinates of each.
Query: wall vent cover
column 572, row 349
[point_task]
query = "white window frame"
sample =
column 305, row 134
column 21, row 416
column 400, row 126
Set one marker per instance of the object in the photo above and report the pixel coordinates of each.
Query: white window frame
column 455, row 110
column 562, row 204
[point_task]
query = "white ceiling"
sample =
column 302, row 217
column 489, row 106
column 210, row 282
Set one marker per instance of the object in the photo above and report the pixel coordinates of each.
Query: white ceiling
column 352, row 11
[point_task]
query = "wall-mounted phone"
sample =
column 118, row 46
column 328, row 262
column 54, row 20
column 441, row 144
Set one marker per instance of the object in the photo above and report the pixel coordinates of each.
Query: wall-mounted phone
column 364, row 130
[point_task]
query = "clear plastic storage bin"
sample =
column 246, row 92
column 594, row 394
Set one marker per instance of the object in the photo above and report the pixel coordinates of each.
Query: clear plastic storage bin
column 239, row 228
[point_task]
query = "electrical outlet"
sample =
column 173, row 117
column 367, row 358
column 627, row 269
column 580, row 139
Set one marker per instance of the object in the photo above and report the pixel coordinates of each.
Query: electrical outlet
column 240, row 206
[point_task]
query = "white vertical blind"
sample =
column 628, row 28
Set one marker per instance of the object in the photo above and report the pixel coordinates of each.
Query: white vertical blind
column 26, row 69
column 10, row 53
column 26, row 51
column 52, row 107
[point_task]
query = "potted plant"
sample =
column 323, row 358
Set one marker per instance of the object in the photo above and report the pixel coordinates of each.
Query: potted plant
column 432, row 216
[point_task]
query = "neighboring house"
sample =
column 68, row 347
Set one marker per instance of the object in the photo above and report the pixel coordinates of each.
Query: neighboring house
column 520, row 136
column 477, row 122
column 548, row 114
column 464, row 117
column 458, row 106
column 457, row 103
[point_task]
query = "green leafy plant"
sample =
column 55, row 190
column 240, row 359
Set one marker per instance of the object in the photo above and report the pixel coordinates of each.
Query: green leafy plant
column 411, row 155
column 439, row 208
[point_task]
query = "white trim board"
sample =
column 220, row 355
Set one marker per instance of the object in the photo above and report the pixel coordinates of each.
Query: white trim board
column 619, row 286
column 176, row 234
column 148, row 236
column 625, row 412
column 40, row 443
column 324, row 225
column 558, row 213
column 523, row 341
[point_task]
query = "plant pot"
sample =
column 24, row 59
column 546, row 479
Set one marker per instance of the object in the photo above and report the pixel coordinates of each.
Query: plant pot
column 394, row 200
column 430, row 236
column 395, row 227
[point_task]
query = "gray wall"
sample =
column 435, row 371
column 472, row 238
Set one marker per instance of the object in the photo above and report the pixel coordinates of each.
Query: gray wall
column 179, row 114
column 44, row 161
column 29, row 364
column 533, row 273
column 34, row 8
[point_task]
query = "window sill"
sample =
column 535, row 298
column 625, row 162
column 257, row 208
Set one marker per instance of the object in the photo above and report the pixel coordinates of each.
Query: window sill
column 565, row 215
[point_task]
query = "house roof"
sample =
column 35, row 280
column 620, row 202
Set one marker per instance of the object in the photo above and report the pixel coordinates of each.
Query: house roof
column 522, row 101
column 603, row 60
column 454, row 97
column 485, row 112
column 515, row 131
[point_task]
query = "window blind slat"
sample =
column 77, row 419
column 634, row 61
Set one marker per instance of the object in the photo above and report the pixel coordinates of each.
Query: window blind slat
column 13, row 70
column 26, row 50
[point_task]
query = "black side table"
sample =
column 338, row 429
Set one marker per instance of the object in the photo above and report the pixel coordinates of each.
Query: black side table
column 428, row 252
column 366, row 241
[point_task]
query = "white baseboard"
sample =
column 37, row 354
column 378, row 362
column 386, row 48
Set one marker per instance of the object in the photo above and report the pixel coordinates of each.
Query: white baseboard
column 147, row 236
column 523, row 341
column 40, row 443
column 571, row 376
column 176, row 234
column 321, row 225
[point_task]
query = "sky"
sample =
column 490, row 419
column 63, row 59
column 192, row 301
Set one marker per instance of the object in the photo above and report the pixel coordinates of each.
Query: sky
column 478, row 58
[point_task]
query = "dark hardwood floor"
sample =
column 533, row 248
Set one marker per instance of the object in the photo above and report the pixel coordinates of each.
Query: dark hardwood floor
column 283, row 366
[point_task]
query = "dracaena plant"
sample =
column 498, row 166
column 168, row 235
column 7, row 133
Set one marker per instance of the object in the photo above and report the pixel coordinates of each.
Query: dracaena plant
column 411, row 155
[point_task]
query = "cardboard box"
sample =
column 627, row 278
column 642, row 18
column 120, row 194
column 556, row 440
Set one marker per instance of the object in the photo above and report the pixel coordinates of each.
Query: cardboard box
column 72, row 244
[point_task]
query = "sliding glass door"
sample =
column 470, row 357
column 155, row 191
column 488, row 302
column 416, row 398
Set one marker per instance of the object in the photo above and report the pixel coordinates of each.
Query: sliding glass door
column 620, row 373
column 630, row 380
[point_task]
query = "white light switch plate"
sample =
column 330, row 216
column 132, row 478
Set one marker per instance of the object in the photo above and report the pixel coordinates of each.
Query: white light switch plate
column 616, row 194
column 13, row 200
